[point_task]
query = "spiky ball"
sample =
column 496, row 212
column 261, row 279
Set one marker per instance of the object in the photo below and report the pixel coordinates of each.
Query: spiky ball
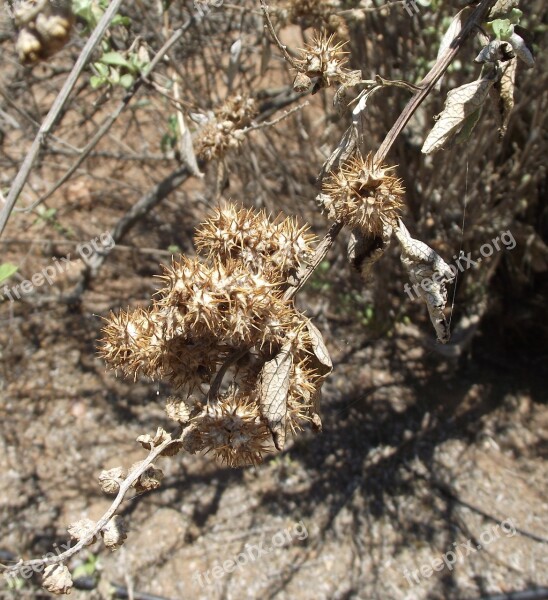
column 273, row 247
column 363, row 195
column 233, row 431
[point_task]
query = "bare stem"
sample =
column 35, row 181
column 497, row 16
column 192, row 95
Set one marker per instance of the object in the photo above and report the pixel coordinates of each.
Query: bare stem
column 270, row 28
column 55, row 111
column 102, row 522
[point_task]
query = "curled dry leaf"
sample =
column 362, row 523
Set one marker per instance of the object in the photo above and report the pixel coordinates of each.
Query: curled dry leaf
column 364, row 251
column 273, row 388
column 502, row 94
column 428, row 274
column 57, row 579
column 451, row 34
column 342, row 152
column 321, row 364
column 359, row 117
column 494, row 51
column 521, row 49
column 459, row 105
column 114, row 533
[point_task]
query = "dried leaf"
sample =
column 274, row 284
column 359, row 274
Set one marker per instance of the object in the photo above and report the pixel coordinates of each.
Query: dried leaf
column 503, row 95
column 322, row 365
column 273, row 388
column 345, row 148
column 451, row 34
column 468, row 127
column 459, row 104
column 359, row 120
column 186, row 148
column 234, row 62
column 495, row 51
column 428, row 274
column 521, row 49
column 453, row 30
column 321, row 353
column 364, row 252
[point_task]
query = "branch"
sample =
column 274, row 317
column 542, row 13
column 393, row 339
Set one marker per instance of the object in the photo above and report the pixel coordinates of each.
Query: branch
column 125, row 486
column 55, row 111
column 426, row 87
column 110, row 120
column 432, row 77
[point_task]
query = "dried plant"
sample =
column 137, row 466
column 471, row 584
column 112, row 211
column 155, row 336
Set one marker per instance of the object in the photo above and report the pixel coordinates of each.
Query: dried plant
column 44, row 28
column 246, row 365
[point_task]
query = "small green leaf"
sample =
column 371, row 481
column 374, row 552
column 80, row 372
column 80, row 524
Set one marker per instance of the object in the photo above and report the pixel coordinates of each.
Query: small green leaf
column 515, row 16
column 114, row 76
column 502, row 28
column 7, row 270
column 174, row 249
column 121, row 20
column 96, row 82
column 114, row 59
column 126, row 81
column 101, row 69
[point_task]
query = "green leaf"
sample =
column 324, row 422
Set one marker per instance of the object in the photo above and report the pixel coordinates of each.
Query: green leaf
column 101, row 69
column 6, row 271
column 96, row 82
column 114, row 59
column 121, row 20
column 502, row 28
column 126, row 81
column 114, row 76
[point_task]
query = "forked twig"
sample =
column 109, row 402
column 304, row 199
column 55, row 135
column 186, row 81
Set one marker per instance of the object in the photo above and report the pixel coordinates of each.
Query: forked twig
column 55, row 111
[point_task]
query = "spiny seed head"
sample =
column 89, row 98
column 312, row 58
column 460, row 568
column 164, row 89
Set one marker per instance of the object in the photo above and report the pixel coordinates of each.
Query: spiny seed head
column 325, row 59
column 273, row 247
column 224, row 300
column 303, row 383
column 232, row 429
column 364, row 195
column 188, row 363
column 133, row 342
column 224, row 131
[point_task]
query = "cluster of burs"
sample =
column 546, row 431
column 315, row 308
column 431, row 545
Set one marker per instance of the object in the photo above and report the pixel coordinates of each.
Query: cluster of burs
column 225, row 303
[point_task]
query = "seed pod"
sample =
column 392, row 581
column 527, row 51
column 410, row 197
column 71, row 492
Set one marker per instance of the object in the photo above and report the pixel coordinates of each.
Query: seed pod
column 81, row 530
column 110, row 480
column 115, row 533
column 57, row 580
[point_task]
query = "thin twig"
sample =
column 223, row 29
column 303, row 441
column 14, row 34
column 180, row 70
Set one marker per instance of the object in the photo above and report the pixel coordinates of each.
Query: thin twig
column 270, row 28
column 286, row 114
column 55, row 111
column 125, row 486
column 143, row 78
